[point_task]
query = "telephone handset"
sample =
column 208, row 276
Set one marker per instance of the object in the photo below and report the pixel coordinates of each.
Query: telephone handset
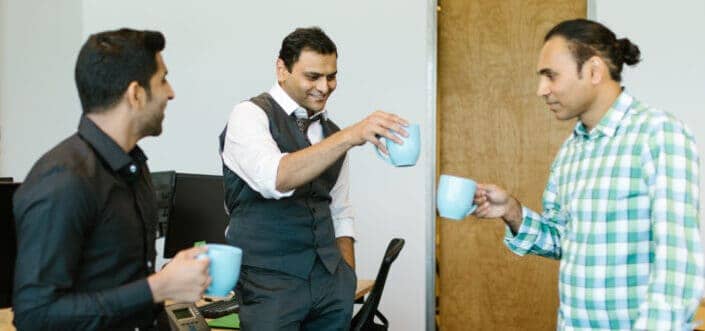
column 185, row 317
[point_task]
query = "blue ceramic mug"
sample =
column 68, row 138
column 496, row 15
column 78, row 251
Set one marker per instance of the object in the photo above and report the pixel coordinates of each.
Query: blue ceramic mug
column 406, row 154
column 455, row 197
column 224, row 268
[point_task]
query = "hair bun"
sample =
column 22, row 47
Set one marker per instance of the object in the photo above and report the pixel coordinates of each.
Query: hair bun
column 629, row 52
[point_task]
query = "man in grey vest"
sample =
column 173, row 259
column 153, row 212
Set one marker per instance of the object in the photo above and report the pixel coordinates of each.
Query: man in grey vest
column 286, row 188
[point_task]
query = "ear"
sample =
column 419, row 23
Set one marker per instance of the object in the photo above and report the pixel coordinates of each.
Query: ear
column 596, row 69
column 135, row 95
column 282, row 71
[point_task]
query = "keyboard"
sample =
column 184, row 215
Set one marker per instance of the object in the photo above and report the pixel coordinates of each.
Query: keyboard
column 219, row 308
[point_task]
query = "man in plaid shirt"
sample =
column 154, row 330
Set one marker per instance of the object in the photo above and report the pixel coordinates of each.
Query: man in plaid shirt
column 620, row 210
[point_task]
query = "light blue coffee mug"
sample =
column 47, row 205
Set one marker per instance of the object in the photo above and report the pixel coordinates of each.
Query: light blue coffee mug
column 224, row 268
column 406, row 154
column 455, row 197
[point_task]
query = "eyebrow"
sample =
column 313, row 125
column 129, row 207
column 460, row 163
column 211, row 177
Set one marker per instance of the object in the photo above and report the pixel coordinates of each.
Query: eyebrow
column 316, row 73
column 545, row 72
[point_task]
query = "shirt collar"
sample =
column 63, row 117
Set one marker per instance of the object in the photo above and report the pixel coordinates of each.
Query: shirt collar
column 610, row 122
column 289, row 105
column 107, row 148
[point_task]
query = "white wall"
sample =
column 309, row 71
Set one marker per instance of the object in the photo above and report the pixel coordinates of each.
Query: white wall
column 671, row 75
column 38, row 100
column 225, row 52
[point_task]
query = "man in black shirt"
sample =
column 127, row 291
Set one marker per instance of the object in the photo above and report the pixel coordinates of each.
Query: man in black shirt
column 86, row 213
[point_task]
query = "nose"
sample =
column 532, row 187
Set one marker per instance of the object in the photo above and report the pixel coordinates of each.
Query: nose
column 171, row 93
column 542, row 89
column 322, row 85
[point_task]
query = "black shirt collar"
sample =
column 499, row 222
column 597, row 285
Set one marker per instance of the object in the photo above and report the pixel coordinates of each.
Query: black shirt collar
column 107, row 148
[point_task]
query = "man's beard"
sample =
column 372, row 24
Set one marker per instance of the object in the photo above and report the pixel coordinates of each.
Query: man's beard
column 153, row 127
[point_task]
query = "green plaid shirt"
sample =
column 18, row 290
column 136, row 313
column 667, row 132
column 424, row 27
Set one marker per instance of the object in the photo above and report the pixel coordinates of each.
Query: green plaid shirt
column 620, row 211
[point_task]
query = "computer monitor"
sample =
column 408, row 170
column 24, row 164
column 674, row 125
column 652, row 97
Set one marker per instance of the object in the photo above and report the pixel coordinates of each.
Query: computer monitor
column 8, row 243
column 196, row 211
column 163, row 182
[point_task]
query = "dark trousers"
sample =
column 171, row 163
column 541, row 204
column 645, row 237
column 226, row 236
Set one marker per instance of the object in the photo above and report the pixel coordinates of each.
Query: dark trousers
column 271, row 300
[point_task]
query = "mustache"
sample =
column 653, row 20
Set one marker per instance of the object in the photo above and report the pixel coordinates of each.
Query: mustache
column 550, row 102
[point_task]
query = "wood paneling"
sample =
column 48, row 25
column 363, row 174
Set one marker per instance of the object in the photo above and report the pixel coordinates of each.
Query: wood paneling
column 493, row 128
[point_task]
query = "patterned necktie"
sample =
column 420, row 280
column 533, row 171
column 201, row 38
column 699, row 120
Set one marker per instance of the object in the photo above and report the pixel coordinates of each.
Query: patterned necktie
column 304, row 123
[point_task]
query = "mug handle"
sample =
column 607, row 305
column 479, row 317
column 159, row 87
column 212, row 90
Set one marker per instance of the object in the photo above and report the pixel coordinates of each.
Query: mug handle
column 379, row 154
column 474, row 206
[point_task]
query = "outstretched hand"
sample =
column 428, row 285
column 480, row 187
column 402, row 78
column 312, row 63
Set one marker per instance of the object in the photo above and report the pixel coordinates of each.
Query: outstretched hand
column 492, row 201
column 376, row 125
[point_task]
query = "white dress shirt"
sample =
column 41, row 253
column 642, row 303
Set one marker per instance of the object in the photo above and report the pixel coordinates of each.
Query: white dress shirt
column 252, row 154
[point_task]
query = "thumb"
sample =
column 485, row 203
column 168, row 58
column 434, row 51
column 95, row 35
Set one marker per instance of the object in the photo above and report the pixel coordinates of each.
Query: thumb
column 192, row 253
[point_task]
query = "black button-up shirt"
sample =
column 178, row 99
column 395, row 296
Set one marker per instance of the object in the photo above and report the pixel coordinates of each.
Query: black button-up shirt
column 85, row 217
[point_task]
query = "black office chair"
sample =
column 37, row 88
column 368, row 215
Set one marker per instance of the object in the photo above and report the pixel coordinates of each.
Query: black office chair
column 364, row 319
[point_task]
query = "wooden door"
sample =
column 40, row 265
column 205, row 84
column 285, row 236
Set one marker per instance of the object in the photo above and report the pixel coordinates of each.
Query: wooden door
column 493, row 128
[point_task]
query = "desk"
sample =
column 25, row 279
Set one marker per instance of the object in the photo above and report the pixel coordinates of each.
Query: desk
column 6, row 320
column 364, row 286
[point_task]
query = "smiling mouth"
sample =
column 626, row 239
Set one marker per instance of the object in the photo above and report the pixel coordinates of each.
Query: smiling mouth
column 552, row 106
column 317, row 97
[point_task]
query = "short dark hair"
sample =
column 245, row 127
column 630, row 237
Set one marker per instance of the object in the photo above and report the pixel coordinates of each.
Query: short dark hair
column 109, row 61
column 301, row 39
column 588, row 38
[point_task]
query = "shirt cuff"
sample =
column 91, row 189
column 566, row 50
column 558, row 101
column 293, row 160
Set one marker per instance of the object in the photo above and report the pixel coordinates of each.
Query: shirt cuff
column 269, row 187
column 516, row 242
column 344, row 227
column 137, row 296
column 659, row 315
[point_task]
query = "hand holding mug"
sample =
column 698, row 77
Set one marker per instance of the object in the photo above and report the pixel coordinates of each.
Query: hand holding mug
column 183, row 279
column 495, row 202
column 377, row 124
column 404, row 154
column 491, row 200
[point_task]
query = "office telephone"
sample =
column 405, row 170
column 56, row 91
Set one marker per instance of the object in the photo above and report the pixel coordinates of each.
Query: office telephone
column 185, row 317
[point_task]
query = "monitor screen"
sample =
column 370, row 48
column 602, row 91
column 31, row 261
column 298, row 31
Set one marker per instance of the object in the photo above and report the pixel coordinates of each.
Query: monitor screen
column 197, row 212
column 163, row 183
column 8, row 243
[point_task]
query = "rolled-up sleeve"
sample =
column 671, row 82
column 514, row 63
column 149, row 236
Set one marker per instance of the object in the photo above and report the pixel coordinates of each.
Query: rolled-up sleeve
column 251, row 152
column 341, row 208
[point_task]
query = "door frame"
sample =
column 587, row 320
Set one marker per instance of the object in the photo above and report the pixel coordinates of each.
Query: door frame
column 431, row 151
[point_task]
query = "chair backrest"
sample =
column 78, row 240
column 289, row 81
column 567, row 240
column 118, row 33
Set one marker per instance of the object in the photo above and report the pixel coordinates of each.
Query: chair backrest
column 364, row 319
column 8, row 244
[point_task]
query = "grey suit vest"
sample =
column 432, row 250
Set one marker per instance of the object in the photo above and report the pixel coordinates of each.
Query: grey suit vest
column 284, row 235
